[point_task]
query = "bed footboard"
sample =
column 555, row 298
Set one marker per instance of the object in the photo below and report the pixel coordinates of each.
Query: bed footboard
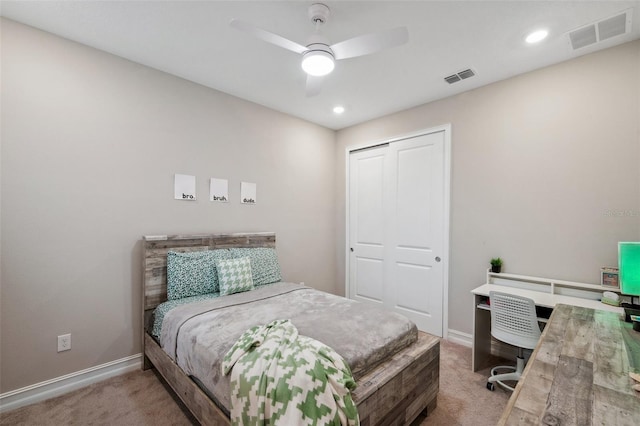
column 398, row 390
column 393, row 393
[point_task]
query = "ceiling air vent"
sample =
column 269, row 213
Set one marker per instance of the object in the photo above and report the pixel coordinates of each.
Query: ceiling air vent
column 601, row 30
column 459, row 76
column 452, row 78
column 583, row 37
column 612, row 27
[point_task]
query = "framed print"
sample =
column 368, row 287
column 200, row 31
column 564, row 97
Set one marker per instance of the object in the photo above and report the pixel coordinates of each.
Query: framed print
column 609, row 277
column 247, row 193
column 219, row 190
column 184, row 187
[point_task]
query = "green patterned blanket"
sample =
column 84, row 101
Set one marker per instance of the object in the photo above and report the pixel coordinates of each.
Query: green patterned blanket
column 281, row 378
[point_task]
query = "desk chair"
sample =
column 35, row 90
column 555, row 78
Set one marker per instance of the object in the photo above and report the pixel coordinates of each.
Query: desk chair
column 513, row 321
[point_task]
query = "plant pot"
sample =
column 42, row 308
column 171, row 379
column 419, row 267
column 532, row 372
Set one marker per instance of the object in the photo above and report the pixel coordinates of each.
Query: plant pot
column 496, row 269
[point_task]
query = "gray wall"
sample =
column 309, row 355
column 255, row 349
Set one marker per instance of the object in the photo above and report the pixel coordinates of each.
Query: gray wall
column 90, row 143
column 545, row 171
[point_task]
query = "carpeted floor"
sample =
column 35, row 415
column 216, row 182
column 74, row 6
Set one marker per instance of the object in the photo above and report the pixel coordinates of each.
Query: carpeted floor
column 463, row 398
column 141, row 398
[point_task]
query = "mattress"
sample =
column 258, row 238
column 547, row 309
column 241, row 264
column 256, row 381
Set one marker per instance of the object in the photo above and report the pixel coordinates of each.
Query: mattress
column 197, row 335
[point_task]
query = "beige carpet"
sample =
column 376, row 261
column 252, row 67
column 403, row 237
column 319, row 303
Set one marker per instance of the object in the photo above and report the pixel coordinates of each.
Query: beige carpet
column 463, row 398
column 141, row 398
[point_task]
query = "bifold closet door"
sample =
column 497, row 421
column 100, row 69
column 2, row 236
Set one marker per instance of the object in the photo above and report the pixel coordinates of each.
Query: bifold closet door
column 396, row 209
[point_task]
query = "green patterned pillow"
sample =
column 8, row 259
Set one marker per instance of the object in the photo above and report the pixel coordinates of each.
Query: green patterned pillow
column 193, row 273
column 234, row 275
column 265, row 268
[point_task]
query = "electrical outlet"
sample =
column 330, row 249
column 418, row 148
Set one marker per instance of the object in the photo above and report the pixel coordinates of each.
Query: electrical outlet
column 64, row 342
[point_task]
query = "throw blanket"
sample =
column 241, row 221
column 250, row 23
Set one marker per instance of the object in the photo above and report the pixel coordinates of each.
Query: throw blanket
column 281, row 378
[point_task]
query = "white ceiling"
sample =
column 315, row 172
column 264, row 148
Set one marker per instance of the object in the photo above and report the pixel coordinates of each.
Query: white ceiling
column 192, row 40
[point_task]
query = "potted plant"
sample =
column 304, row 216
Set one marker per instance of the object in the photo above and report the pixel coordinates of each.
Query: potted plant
column 496, row 265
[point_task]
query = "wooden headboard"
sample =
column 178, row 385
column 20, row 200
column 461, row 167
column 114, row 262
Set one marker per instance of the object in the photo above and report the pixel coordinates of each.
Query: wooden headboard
column 154, row 263
column 154, row 258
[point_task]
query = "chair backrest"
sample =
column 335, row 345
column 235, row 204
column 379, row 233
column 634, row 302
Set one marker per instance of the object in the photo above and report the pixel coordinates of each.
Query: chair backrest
column 514, row 320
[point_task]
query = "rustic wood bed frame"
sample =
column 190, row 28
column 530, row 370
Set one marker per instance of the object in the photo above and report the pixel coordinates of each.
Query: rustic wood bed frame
column 393, row 393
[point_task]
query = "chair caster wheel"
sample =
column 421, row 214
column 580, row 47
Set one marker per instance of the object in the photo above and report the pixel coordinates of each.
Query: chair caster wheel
column 491, row 386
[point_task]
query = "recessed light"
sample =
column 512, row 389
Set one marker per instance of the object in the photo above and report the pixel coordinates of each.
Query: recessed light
column 537, row 36
column 338, row 109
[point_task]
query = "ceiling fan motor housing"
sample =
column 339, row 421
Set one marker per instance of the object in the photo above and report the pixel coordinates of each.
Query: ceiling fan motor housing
column 319, row 42
column 318, row 47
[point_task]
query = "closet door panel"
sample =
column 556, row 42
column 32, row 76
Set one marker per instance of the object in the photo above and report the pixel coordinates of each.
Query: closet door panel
column 415, row 238
column 367, row 225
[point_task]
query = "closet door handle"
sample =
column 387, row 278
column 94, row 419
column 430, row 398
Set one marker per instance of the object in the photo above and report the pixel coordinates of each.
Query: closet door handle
column 351, row 249
column 438, row 259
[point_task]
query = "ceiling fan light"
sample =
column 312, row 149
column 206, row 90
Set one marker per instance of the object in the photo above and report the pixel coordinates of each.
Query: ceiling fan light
column 318, row 63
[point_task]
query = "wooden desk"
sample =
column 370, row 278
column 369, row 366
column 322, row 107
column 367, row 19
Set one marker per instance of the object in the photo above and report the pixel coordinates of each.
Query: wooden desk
column 579, row 372
column 544, row 292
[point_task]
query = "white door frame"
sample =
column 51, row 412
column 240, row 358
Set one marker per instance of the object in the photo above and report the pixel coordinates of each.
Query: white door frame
column 446, row 128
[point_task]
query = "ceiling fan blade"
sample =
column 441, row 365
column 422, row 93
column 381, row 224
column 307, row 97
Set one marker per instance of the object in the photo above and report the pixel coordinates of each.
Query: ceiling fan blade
column 267, row 36
column 314, row 85
column 370, row 43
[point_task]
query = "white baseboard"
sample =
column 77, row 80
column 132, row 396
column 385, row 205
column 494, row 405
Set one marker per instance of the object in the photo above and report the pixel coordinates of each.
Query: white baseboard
column 460, row 338
column 63, row 384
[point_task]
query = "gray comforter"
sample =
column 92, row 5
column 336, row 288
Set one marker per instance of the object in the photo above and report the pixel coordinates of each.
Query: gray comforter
column 198, row 335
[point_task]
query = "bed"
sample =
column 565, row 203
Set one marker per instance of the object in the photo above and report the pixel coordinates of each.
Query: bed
column 392, row 390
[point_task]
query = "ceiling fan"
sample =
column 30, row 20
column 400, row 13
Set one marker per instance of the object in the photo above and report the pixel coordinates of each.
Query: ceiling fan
column 318, row 55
